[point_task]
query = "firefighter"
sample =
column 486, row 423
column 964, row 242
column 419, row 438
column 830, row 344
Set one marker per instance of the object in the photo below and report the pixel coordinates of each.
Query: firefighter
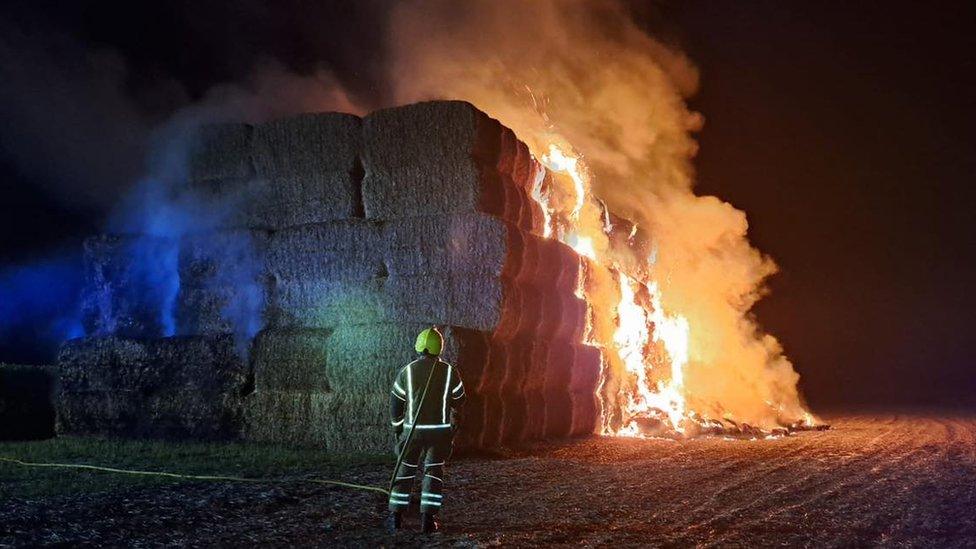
column 424, row 401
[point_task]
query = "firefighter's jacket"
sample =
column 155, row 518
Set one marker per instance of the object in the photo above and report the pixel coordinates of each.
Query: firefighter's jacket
column 445, row 393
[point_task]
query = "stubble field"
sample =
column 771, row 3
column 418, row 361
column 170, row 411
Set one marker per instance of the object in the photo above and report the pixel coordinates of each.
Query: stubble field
column 900, row 480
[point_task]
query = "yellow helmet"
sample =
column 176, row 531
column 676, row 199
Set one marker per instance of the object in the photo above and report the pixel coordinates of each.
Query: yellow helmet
column 430, row 340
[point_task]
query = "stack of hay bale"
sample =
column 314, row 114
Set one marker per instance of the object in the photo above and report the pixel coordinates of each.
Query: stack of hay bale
column 334, row 240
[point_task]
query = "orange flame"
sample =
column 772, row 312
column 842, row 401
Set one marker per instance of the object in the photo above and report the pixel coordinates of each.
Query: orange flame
column 654, row 381
column 558, row 161
column 636, row 327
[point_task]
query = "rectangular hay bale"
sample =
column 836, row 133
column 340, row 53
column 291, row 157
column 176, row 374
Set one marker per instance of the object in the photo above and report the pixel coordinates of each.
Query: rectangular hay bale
column 180, row 387
column 313, row 161
column 307, row 144
column 223, row 309
column 236, row 255
column 462, row 300
column 436, row 158
column 346, row 423
column 349, row 359
column 131, row 283
column 221, row 151
column 331, row 251
column 433, row 245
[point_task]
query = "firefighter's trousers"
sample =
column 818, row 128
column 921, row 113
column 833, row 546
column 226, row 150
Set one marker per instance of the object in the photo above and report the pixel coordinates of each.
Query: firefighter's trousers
column 430, row 447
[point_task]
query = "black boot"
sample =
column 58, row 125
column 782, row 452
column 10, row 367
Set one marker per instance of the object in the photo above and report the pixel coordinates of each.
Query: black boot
column 394, row 521
column 429, row 522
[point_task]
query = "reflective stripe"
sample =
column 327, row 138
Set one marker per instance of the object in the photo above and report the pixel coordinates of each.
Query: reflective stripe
column 404, row 478
column 430, row 502
column 456, row 387
column 436, row 426
column 398, row 396
column 410, row 393
column 395, row 423
column 408, row 464
column 457, row 396
column 399, row 495
column 433, row 477
column 434, row 464
column 447, row 383
column 431, row 495
column 398, row 389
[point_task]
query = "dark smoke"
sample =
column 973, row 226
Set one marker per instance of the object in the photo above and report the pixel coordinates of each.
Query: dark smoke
column 67, row 120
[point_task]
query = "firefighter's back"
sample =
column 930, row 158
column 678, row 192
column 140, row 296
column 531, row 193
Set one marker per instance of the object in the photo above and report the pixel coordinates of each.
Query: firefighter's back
column 427, row 382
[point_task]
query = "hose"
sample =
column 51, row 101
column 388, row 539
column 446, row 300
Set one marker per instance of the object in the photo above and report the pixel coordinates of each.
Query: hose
column 192, row 477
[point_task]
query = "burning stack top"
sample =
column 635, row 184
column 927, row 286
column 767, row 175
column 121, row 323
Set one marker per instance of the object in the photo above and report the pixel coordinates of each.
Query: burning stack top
column 323, row 243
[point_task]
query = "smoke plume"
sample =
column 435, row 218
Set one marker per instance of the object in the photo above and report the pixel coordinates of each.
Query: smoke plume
column 582, row 75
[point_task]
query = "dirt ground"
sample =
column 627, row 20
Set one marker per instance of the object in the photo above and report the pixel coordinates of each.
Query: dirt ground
column 895, row 480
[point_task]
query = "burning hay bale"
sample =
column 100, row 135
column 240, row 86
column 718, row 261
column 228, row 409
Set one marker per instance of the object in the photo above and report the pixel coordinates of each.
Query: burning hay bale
column 335, row 241
column 325, row 241
column 807, row 426
column 656, row 423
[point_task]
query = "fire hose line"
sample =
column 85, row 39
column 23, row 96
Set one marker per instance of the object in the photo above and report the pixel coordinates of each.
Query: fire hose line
column 191, row 477
column 225, row 478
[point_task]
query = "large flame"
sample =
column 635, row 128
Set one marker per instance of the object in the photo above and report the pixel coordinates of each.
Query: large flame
column 637, row 325
column 558, row 161
column 655, row 384
column 669, row 276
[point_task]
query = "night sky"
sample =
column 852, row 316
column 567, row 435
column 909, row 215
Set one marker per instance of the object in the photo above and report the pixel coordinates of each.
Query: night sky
column 844, row 130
